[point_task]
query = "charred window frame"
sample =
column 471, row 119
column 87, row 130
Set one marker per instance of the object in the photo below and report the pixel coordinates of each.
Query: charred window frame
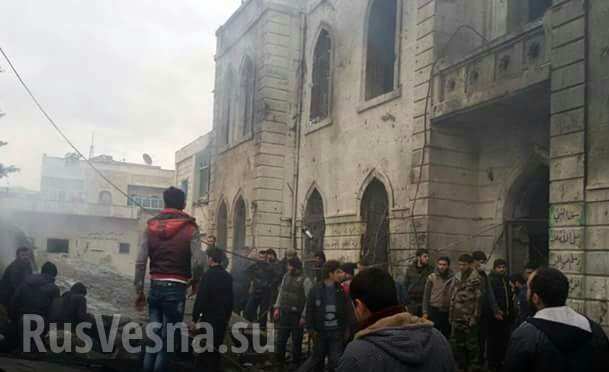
column 247, row 96
column 522, row 12
column 537, row 8
column 382, row 47
column 321, row 79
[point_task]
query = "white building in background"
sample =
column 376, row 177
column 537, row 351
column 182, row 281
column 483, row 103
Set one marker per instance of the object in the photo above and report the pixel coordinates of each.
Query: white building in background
column 77, row 214
column 193, row 177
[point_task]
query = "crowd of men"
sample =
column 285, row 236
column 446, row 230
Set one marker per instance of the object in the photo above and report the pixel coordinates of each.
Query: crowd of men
column 23, row 292
column 357, row 317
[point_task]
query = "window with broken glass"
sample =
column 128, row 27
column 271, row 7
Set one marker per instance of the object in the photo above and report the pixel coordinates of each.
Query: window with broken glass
column 321, row 81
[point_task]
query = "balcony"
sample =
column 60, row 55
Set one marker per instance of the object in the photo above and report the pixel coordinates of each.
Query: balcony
column 36, row 205
column 507, row 66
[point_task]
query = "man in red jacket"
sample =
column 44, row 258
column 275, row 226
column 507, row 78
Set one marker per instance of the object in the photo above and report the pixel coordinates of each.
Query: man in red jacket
column 171, row 244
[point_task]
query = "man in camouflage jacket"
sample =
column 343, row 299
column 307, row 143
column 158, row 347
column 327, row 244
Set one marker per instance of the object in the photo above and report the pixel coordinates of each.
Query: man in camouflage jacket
column 465, row 315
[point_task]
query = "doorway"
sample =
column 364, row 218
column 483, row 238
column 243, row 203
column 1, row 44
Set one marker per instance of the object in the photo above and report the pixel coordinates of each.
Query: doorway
column 526, row 220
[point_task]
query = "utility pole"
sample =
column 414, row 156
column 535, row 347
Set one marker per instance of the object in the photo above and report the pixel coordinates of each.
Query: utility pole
column 92, row 148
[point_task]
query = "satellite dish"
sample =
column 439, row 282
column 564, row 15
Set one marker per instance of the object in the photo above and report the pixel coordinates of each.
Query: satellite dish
column 147, row 159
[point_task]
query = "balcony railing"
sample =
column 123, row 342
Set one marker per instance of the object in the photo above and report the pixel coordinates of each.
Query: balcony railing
column 503, row 67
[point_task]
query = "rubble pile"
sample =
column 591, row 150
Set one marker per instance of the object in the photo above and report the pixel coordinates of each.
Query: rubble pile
column 109, row 292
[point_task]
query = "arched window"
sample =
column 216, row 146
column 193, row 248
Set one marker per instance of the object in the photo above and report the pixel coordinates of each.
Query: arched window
column 314, row 225
column 322, row 84
column 222, row 226
column 105, row 198
column 239, row 230
column 246, row 96
column 381, row 53
column 228, row 107
column 375, row 215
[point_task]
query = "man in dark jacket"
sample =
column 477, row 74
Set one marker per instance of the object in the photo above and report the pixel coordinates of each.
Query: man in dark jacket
column 329, row 318
column 34, row 298
column 214, row 306
column 557, row 338
column 171, row 244
column 277, row 273
column 414, row 282
column 488, row 303
column 14, row 275
column 71, row 307
column 521, row 303
column 36, row 294
column 389, row 338
column 289, row 309
column 261, row 277
column 500, row 329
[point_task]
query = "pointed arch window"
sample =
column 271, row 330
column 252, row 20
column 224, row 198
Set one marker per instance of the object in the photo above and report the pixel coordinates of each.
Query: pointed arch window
column 246, row 96
column 381, row 48
column 227, row 121
column 321, row 89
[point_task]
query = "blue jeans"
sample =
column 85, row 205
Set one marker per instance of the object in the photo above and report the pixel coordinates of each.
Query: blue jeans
column 166, row 306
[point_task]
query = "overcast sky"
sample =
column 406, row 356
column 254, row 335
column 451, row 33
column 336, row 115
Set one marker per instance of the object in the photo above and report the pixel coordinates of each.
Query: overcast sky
column 137, row 73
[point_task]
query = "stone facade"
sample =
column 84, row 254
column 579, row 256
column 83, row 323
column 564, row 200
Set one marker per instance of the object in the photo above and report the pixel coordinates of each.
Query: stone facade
column 488, row 132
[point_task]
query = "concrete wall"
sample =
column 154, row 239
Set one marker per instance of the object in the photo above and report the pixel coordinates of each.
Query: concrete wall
column 93, row 239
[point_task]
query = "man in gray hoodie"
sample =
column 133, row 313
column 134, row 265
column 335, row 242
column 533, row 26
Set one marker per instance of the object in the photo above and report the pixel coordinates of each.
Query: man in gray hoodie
column 389, row 338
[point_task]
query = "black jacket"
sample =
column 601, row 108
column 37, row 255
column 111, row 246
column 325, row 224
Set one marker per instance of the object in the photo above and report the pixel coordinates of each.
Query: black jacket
column 214, row 303
column 14, row 275
column 70, row 308
column 316, row 309
column 540, row 345
column 34, row 297
column 504, row 296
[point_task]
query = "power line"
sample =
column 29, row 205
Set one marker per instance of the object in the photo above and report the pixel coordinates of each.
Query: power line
column 62, row 134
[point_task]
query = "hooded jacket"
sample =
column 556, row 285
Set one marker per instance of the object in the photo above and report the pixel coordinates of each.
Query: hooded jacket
column 171, row 243
column 558, row 340
column 34, row 297
column 400, row 342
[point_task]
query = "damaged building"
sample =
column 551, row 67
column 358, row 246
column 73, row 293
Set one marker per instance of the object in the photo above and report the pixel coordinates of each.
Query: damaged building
column 77, row 214
column 382, row 126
